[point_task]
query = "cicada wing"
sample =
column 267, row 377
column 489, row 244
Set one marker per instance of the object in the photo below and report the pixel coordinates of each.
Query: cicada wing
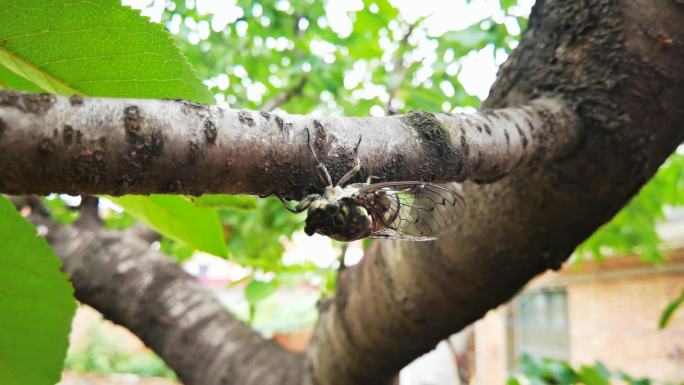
column 394, row 234
column 412, row 210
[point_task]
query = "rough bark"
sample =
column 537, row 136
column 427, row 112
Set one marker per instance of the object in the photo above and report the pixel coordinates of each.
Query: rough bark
column 119, row 146
column 135, row 286
column 620, row 65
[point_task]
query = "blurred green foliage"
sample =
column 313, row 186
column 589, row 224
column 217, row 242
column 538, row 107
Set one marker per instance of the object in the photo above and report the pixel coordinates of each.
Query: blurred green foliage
column 103, row 354
column 633, row 229
column 547, row 371
column 224, row 200
column 255, row 238
column 257, row 291
column 59, row 211
column 276, row 44
column 118, row 220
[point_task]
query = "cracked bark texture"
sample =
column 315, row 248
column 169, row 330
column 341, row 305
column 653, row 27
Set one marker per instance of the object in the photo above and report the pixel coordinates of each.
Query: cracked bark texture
column 131, row 284
column 120, row 146
column 618, row 65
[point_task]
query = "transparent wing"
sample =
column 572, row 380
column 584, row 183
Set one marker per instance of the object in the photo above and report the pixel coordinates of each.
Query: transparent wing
column 394, row 234
column 415, row 211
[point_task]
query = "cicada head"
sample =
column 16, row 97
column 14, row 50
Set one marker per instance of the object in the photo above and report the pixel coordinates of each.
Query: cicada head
column 341, row 219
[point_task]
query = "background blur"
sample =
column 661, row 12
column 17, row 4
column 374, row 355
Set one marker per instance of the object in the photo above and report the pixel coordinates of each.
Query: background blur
column 609, row 315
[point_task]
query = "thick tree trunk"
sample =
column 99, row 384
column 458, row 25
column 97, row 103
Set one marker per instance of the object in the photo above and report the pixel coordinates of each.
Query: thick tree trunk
column 618, row 65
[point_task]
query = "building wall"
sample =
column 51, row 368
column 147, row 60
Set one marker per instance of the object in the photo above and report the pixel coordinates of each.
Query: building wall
column 615, row 320
column 433, row 368
column 491, row 354
column 613, row 313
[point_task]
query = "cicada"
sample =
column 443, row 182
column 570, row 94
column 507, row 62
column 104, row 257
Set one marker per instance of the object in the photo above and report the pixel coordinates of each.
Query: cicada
column 406, row 210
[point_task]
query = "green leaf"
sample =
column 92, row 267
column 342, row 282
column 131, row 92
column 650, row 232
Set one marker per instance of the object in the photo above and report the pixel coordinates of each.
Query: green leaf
column 179, row 251
column 546, row 371
column 96, row 48
column 633, row 381
column 119, row 221
column 593, row 375
column 257, row 291
column 426, row 99
column 285, row 312
column 178, row 219
column 11, row 81
column 59, row 211
column 37, row 304
column 670, row 309
column 506, row 4
column 224, row 200
column 255, row 237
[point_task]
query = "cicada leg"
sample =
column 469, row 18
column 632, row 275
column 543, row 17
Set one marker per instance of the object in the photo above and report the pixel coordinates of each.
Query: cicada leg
column 351, row 173
column 301, row 206
column 320, row 167
column 373, row 177
column 355, row 170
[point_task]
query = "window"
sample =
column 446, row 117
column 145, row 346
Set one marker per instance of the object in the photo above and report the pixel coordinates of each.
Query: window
column 539, row 325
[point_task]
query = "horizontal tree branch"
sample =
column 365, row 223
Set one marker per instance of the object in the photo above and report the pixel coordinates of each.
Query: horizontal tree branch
column 83, row 145
column 132, row 285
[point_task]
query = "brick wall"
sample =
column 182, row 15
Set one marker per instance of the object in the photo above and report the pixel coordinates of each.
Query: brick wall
column 615, row 321
column 491, row 349
column 613, row 313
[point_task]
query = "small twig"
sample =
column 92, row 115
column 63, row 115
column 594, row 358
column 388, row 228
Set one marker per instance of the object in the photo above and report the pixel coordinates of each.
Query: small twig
column 285, row 96
column 342, row 266
column 399, row 68
column 88, row 209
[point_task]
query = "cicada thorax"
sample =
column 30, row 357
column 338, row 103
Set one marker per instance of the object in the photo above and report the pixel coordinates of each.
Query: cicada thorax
column 342, row 219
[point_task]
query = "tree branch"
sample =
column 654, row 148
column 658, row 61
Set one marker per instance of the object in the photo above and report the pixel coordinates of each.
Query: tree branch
column 141, row 289
column 399, row 70
column 285, row 96
column 123, row 146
